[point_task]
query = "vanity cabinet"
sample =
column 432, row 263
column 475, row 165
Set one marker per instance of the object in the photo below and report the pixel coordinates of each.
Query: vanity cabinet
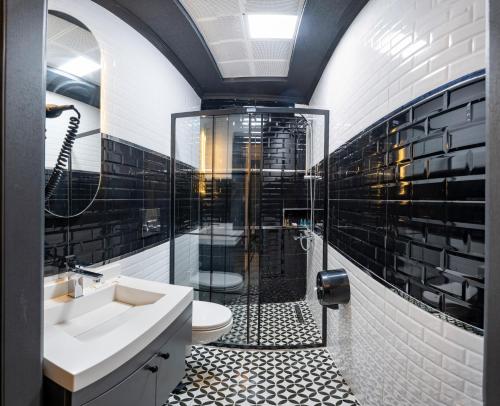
column 138, row 389
column 145, row 380
column 171, row 357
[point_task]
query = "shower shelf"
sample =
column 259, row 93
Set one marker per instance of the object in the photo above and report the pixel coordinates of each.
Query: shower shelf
column 295, row 215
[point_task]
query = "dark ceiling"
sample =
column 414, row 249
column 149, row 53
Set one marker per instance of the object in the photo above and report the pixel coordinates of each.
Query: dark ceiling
column 169, row 28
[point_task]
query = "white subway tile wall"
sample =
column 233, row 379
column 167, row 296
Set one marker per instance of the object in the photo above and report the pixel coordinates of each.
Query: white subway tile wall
column 151, row 264
column 395, row 51
column 154, row 263
column 140, row 88
column 390, row 351
column 187, row 258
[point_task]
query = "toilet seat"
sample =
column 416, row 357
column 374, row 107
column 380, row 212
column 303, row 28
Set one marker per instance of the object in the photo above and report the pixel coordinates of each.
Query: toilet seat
column 217, row 281
column 209, row 316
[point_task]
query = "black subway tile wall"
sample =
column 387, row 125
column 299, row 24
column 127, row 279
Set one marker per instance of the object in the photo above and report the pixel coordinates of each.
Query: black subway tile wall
column 407, row 201
column 281, row 186
column 277, row 263
column 130, row 212
column 83, row 184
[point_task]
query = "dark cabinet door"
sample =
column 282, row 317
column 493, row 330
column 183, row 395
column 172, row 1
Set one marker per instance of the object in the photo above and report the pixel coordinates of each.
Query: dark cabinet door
column 139, row 389
column 171, row 360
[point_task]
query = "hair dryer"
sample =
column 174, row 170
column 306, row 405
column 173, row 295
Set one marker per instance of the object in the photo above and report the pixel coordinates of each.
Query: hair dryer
column 53, row 110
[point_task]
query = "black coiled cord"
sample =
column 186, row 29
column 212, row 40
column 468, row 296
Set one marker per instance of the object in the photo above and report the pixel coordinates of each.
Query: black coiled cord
column 64, row 155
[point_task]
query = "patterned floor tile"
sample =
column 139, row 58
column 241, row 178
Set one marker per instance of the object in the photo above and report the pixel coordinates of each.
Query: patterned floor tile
column 273, row 324
column 220, row 377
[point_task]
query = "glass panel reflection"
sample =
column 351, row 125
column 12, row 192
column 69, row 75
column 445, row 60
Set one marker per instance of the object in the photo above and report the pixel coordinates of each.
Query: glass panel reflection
column 245, row 186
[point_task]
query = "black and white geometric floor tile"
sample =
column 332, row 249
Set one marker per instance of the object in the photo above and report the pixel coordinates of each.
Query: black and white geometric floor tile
column 280, row 324
column 222, row 377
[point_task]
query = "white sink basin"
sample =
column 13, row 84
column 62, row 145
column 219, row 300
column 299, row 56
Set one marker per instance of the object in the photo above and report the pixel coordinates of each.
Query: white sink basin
column 88, row 337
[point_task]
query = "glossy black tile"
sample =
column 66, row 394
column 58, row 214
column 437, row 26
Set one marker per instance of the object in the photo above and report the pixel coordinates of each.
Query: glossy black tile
column 409, row 204
column 132, row 179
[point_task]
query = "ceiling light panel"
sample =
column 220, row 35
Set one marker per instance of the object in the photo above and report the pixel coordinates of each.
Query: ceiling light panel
column 226, row 28
column 230, row 50
column 271, row 68
column 273, row 6
column 277, row 49
column 271, row 26
column 66, row 42
column 79, row 66
column 240, row 49
column 235, row 69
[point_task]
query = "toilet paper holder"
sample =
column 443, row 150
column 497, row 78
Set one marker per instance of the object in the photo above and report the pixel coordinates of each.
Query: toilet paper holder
column 332, row 288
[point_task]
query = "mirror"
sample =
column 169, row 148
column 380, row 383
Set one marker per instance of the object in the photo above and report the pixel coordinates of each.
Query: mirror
column 72, row 138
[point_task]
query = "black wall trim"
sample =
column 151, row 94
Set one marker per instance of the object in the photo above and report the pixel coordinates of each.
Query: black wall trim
column 148, row 32
column 69, row 19
column 343, row 22
column 200, row 37
column 491, row 388
column 22, row 164
column 167, row 27
column 73, row 87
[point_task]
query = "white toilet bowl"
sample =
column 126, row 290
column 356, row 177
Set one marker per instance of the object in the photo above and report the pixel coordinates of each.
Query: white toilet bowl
column 210, row 322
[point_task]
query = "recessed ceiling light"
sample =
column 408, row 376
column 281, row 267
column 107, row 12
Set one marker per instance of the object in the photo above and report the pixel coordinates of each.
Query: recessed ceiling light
column 80, row 66
column 271, row 26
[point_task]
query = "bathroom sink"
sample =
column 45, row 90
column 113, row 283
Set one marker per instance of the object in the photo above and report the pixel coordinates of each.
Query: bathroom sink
column 88, row 337
column 95, row 315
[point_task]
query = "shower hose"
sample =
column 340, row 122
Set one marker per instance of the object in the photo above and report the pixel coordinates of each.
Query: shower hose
column 64, row 155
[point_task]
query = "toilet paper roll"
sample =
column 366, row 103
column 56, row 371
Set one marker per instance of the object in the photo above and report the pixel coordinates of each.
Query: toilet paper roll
column 332, row 287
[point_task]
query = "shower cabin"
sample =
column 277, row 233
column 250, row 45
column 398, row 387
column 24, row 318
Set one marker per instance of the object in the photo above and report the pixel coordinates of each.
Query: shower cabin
column 249, row 189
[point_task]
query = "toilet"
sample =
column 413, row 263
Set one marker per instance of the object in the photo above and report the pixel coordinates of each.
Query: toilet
column 210, row 322
column 225, row 282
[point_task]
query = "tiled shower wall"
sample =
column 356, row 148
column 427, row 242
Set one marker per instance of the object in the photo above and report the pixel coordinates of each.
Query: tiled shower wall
column 278, row 266
column 390, row 350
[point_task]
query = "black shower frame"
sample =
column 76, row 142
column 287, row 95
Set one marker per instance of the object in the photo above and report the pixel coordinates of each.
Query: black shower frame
column 325, row 163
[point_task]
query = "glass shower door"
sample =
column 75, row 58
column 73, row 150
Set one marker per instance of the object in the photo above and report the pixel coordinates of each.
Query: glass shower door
column 241, row 190
column 211, row 247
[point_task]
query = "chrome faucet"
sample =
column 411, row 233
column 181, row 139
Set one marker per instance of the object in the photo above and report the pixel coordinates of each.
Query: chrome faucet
column 76, row 274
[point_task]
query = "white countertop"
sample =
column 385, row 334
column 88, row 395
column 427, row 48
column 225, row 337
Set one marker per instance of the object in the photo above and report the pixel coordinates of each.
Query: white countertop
column 87, row 338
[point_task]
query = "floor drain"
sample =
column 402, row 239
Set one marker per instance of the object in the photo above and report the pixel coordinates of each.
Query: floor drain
column 298, row 314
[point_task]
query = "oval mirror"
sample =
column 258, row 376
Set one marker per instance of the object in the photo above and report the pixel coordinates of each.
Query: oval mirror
column 72, row 125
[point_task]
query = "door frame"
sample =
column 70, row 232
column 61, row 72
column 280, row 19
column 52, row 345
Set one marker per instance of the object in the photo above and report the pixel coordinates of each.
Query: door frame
column 491, row 388
column 21, row 219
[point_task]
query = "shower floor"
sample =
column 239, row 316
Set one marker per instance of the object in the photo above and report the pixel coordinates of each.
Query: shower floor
column 223, row 377
column 289, row 324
